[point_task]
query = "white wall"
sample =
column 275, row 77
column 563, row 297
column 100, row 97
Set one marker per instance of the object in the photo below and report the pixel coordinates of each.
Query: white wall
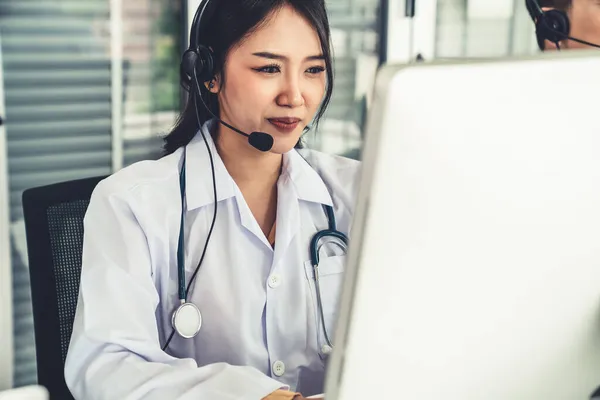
column 6, row 312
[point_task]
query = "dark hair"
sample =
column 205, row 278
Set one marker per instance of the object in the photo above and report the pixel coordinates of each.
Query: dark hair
column 225, row 24
column 562, row 5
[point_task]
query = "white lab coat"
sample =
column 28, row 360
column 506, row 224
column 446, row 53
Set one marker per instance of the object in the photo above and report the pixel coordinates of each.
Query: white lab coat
column 257, row 303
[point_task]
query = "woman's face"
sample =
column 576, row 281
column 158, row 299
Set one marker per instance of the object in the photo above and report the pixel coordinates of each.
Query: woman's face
column 585, row 22
column 584, row 17
column 275, row 80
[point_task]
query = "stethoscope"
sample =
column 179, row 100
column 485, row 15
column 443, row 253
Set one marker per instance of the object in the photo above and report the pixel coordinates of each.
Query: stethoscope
column 186, row 320
column 318, row 240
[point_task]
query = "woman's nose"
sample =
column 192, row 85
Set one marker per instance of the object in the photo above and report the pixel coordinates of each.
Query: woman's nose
column 291, row 95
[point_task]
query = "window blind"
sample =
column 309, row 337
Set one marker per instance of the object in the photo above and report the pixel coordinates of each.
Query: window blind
column 6, row 320
column 56, row 58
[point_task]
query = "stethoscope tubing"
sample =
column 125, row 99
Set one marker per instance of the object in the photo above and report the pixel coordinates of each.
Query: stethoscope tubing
column 314, row 248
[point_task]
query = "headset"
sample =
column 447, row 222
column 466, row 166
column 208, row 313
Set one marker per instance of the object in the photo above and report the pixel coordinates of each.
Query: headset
column 198, row 66
column 551, row 25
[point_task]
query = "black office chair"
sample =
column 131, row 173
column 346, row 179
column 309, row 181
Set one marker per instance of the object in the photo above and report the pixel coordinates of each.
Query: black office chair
column 54, row 226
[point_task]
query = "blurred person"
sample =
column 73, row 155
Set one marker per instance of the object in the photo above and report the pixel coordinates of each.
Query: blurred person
column 566, row 24
column 198, row 275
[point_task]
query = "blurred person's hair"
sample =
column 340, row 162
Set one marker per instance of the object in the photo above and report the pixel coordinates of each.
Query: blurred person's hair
column 562, row 5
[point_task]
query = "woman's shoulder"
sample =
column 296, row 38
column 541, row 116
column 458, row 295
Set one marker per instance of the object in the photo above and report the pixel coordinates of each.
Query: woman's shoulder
column 141, row 178
column 340, row 174
column 332, row 165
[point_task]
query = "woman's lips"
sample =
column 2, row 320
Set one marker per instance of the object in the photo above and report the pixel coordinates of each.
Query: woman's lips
column 285, row 125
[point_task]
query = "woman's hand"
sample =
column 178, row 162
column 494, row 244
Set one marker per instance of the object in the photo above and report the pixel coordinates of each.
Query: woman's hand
column 287, row 395
column 284, row 395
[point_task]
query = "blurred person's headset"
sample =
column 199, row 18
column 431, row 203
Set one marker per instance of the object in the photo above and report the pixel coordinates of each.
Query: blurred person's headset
column 552, row 25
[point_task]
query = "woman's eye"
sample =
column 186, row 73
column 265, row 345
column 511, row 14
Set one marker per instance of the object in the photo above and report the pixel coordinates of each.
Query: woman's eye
column 315, row 70
column 269, row 69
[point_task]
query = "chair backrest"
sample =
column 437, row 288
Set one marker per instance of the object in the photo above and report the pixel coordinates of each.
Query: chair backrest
column 54, row 227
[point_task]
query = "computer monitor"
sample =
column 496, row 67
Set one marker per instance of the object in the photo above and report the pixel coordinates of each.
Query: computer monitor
column 474, row 267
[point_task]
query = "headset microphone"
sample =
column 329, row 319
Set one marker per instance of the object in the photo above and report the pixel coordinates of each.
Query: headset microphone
column 259, row 140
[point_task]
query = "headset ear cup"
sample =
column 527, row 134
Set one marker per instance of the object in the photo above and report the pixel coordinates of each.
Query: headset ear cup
column 541, row 39
column 553, row 26
column 531, row 9
column 205, row 64
column 186, row 68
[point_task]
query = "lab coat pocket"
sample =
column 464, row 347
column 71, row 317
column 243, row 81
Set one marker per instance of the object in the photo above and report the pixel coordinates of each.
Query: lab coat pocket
column 330, row 284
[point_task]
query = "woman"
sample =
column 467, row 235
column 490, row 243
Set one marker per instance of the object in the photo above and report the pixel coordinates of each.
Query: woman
column 260, row 334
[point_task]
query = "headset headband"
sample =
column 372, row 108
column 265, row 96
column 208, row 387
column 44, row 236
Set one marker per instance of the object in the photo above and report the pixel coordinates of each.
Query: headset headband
column 535, row 9
column 195, row 28
column 197, row 60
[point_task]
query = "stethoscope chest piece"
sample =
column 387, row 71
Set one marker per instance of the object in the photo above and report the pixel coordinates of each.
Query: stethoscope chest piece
column 187, row 320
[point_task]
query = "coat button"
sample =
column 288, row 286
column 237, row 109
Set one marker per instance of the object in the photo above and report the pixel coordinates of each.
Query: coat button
column 274, row 281
column 278, row 368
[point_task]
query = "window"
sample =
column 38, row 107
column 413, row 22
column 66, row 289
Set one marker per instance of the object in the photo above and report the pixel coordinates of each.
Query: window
column 6, row 327
column 57, row 95
column 478, row 29
column 356, row 36
column 152, row 42
column 57, row 81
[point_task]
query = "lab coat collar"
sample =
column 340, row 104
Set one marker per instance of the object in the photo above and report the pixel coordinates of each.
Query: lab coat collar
column 298, row 182
column 198, row 179
column 307, row 182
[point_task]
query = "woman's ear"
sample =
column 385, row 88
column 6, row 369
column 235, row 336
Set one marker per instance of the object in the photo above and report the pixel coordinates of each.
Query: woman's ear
column 213, row 85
